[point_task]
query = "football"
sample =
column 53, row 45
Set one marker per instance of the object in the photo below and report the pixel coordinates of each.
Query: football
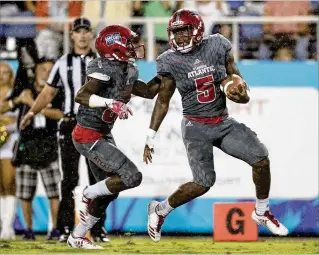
column 235, row 88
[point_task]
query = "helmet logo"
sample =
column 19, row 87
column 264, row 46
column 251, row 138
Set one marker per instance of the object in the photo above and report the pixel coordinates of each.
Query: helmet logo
column 112, row 38
column 177, row 23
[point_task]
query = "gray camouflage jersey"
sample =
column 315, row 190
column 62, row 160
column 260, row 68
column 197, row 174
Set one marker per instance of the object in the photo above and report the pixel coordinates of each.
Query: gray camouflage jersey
column 198, row 75
column 117, row 80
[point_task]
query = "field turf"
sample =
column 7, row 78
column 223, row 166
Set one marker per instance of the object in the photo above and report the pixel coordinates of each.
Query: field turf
column 170, row 245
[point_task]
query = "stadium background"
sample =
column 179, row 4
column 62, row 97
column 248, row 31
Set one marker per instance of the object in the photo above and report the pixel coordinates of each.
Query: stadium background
column 284, row 113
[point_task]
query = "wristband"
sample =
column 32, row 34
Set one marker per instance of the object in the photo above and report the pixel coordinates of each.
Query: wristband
column 151, row 133
column 97, row 101
column 150, row 138
column 149, row 142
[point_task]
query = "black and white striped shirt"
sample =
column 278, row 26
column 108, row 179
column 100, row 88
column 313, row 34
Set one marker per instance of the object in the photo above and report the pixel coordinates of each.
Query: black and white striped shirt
column 68, row 74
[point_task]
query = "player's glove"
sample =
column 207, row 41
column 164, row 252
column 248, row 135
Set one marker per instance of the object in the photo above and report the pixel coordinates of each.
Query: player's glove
column 120, row 109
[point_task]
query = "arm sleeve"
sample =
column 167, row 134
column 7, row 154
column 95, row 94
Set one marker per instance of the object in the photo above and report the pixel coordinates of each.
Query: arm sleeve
column 54, row 77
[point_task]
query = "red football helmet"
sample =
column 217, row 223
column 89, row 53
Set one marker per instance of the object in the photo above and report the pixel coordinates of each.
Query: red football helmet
column 116, row 42
column 193, row 22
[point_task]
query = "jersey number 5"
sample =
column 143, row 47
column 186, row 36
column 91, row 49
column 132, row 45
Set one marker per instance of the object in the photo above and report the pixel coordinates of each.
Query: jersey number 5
column 108, row 116
column 205, row 89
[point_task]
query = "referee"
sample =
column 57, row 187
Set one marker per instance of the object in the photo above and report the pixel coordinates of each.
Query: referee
column 68, row 74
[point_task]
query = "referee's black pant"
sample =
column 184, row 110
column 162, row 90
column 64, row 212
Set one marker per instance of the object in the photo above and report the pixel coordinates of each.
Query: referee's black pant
column 70, row 168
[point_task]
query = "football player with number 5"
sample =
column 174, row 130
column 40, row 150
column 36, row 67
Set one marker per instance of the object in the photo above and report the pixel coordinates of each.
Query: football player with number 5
column 204, row 72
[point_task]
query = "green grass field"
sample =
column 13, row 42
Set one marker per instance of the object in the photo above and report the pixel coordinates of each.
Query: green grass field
column 170, row 245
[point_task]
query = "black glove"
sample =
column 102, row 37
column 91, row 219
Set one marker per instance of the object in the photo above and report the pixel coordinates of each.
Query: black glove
column 67, row 125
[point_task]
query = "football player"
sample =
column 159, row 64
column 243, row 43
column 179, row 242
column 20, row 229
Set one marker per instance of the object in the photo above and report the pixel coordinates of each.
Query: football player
column 204, row 72
column 111, row 79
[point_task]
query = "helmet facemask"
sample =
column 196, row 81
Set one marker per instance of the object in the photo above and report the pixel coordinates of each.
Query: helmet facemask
column 182, row 38
column 130, row 53
column 134, row 49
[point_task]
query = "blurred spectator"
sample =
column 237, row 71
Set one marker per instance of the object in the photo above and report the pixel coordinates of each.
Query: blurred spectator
column 138, row 11
column 226, row 30
column 107, row 11
column 8, row 136
column 37, row 150
column 301, row 48
column 209, row 9
column 50, row 36
column 235, row 5
column 15, row 36
column 18, row 5
column 313, row 35
column 287, row 34
column 283, row 54
column 158, row 9
column 122, row 7
column 250, row 35
column 25, row 72
column 256, row 7
column 286, row 8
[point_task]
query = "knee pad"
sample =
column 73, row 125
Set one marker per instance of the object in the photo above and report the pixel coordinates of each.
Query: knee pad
column 130, row 175
column 133, row 180
column 206, row 180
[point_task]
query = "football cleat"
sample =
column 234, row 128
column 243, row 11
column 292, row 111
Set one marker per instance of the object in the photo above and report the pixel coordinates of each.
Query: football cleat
column 82, row 243
column 155, row 222
column 100, row 236
column 65, row 235
column 270, row 222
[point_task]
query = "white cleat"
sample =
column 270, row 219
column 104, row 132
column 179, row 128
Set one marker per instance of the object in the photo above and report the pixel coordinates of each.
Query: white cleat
column 82, row 243
column 155, row 222
column 270, row 222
